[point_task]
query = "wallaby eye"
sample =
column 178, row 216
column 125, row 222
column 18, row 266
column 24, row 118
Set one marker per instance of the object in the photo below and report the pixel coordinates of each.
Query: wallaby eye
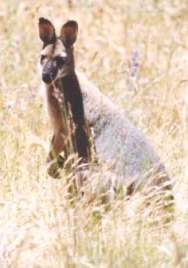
column 60, row 61
column 43, row 57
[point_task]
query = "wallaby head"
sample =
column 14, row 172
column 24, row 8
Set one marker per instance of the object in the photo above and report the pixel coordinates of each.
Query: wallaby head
column 57, row 54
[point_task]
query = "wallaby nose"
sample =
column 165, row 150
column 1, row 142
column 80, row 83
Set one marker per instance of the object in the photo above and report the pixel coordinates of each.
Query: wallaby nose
column 46, row 77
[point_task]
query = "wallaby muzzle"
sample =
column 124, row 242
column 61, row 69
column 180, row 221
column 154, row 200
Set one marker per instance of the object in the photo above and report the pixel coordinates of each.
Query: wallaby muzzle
column 49, row 72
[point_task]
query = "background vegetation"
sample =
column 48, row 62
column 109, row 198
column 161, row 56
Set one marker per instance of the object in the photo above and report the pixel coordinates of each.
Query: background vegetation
column 136, row 52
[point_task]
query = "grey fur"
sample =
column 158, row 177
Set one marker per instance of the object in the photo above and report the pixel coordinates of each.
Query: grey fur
column 118, row 143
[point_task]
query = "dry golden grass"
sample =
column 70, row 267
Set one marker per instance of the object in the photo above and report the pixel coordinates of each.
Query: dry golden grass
column 38, row 225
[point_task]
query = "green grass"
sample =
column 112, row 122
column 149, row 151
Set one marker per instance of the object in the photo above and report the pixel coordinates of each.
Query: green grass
column 38, row 225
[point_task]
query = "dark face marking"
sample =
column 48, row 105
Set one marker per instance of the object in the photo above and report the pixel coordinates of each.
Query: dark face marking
column 60, row 61
column 53, row 61
column 42, row 58
column 50, row 71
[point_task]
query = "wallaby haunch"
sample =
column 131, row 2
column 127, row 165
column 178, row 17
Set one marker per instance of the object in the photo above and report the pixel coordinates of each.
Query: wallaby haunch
column 117, row 142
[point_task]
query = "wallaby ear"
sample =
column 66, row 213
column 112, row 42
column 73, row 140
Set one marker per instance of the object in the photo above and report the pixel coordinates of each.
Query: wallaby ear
column 46, row 31
column 69, row 33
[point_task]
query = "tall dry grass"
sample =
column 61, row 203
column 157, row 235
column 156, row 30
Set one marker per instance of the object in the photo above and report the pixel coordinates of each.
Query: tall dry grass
column 136, row 52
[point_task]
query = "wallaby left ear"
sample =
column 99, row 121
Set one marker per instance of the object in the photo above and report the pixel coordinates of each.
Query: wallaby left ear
column 46, row 31
column 69, row 33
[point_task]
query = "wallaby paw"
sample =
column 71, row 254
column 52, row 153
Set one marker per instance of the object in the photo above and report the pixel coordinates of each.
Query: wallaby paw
column 54, row 167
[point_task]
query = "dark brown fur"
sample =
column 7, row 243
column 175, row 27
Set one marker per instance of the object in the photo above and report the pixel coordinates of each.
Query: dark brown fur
column 70, row 88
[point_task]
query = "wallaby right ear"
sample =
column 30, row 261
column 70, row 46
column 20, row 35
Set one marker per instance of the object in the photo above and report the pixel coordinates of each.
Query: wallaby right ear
column 46, row 31
column 69, row 33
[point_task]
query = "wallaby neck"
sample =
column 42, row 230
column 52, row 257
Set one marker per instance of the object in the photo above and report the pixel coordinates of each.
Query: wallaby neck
column 70, row 88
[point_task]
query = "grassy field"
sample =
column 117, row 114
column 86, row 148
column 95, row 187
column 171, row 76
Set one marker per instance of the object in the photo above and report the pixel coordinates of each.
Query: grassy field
column 136, row 53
